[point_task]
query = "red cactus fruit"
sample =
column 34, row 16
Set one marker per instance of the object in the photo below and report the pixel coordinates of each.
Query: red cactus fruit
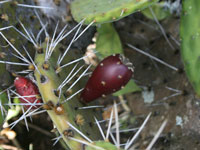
column 109, row 76
column 25, row 87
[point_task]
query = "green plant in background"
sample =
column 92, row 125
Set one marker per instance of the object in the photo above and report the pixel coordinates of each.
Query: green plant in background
column 190, row 37
column 159, row 9
column 106, row 10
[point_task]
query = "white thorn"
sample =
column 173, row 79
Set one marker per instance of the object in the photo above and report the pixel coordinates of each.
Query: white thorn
column 157, row 135
column 152, row 57
column 137, row 133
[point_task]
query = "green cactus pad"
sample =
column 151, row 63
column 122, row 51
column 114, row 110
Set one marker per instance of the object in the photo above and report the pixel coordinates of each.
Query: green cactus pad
column 190, row 37
column 160, row 11
column 102, row 11
column 108, row 41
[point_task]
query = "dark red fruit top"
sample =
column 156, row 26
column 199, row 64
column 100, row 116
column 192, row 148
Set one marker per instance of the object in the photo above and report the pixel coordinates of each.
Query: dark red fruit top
column 109, row 76
column 25, row 87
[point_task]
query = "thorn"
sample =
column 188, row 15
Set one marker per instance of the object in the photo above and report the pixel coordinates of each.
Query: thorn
column 34, row 6
column 60, row 60
column 79, row 77
column 157, row 135
column 117, row 125
column 109, row 125
column 152, row 57
column 100, row 129
column 137, row 133
column 79, row 132
column 161, row 28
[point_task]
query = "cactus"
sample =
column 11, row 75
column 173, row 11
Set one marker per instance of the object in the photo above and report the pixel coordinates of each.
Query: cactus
column 78, row 128
column 190, row 37
column 63, row 112
column 160, row 10
column 106, row 10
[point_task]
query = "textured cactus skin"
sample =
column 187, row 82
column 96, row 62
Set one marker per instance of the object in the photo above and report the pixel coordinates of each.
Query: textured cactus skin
column 70, row 112
column 106, row 10
column 10, row 14
column 190, row 37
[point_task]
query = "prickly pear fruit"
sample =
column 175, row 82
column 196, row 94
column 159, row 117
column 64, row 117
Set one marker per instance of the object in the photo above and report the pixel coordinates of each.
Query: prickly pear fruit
column 110, row 75
column 28, row 91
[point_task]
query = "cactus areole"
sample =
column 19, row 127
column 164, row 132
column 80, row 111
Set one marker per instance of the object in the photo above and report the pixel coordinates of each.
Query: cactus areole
column 111, row 74
column 28, row 91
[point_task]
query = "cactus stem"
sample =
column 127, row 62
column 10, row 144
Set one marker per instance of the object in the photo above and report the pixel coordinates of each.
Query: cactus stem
column 48, row 106
column 153, row 57
column 68, row 133
column 43, row 79
column 59, row 109
column 86, row 143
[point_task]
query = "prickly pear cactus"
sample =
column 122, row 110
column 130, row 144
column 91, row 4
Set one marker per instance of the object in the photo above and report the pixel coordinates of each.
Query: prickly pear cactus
column 10, row 15
column 190, row 37
column 106, row 10
column 64, row 113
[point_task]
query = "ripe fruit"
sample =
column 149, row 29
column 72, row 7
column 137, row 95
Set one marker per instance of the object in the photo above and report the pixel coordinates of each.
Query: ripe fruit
column 25, row 87
column 110, row 75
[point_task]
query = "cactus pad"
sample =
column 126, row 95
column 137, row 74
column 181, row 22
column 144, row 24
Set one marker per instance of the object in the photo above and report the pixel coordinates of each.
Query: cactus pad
column 64, row 114
column 106, row 10
column 190, row 37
